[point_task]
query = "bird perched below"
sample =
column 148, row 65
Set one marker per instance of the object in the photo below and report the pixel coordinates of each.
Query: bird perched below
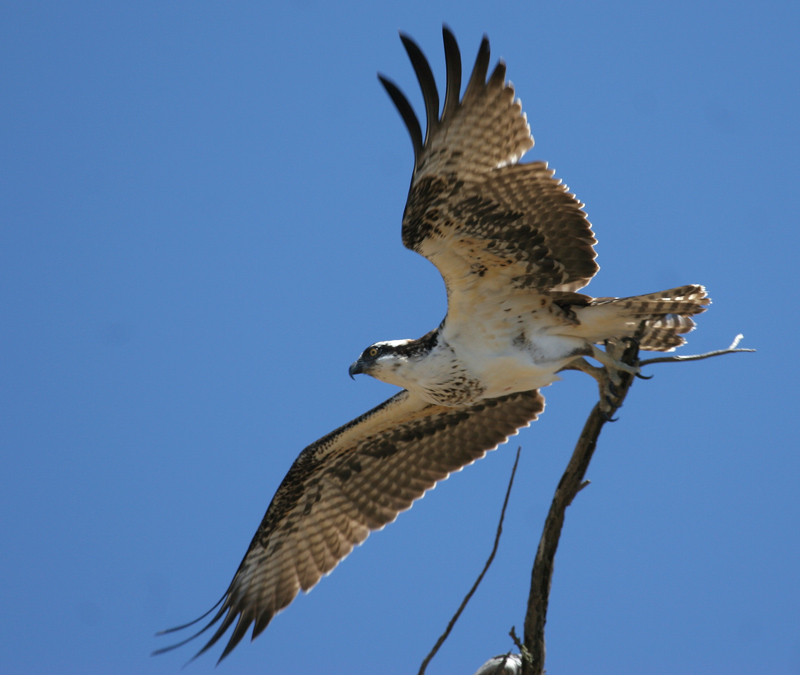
column 505, row 664
column 514, row 247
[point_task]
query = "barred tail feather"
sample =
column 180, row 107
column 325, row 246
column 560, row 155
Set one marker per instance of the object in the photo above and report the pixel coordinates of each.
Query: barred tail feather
column 667, row 316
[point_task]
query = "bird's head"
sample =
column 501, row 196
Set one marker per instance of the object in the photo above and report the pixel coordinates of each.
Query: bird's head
column 381, row 360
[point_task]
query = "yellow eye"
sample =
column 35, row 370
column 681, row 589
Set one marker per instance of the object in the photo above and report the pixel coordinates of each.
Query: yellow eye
column 373, row 351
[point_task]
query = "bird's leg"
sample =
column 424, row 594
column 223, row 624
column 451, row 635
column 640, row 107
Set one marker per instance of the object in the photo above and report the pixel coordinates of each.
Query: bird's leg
column 608, row 376
column 612, row 365
column 608, row 392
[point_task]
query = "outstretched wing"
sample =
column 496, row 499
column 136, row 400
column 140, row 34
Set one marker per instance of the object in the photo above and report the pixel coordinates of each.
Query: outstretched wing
column 484, row 220
column 352, row 481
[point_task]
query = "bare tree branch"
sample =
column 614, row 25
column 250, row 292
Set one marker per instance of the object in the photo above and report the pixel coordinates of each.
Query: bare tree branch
column 533, row 651
column 472, row 590
column 696, row 357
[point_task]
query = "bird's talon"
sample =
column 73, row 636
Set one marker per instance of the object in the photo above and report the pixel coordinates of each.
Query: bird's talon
column 644, row 377
column 611, row 398
column 608, row 416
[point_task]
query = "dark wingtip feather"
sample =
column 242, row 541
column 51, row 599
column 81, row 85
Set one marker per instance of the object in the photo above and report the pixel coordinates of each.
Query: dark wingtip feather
column 427, row 83
column 191, row 623
column 239, row 632
column 477, row 80
column 406, row 112
column 261, row 623
column 452, row 57
column 226, row 623
column 498, row 77
column 169, row 648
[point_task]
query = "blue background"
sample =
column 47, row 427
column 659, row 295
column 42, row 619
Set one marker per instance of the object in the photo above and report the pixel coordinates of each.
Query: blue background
column 200, row 231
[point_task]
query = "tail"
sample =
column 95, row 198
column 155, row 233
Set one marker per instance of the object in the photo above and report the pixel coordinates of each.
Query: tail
column 666, row 316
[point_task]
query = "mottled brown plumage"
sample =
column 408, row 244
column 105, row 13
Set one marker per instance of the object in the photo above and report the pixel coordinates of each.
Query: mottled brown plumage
column 471, row 207
column 355, row 480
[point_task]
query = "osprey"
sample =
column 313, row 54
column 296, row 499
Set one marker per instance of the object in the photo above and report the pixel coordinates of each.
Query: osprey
column 513, row 246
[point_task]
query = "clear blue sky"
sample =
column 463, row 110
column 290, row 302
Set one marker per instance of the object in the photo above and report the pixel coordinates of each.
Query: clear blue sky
column 200, row 231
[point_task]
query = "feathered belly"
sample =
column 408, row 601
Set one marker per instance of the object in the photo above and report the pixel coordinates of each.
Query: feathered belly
column 523, row 365
column 509, row 375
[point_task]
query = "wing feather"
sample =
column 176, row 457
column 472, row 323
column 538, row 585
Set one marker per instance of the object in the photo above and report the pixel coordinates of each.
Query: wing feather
column 352, row 481
column 452, row 58
column 477, row 80
column 427, row 81
column 406, row 112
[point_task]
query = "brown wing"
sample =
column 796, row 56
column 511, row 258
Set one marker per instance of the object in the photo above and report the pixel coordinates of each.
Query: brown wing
column 352, row 481
column 483, row 219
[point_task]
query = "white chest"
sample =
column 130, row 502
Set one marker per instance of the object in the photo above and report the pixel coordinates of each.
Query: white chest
column 507, row 357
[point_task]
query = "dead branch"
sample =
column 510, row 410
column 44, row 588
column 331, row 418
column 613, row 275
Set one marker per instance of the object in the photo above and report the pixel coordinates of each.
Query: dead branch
column 472, row 590
column 571, row 483
column 696, row 357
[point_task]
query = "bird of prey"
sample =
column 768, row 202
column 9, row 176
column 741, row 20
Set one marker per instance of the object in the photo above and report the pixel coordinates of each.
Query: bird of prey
column 514, row 247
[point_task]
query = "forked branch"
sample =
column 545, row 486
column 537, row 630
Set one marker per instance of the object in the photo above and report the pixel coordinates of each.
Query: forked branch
column 474, row 588
column 571, row 483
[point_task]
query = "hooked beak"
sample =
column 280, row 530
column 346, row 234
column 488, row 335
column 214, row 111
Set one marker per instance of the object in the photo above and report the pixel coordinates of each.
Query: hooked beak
column 356, row 369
